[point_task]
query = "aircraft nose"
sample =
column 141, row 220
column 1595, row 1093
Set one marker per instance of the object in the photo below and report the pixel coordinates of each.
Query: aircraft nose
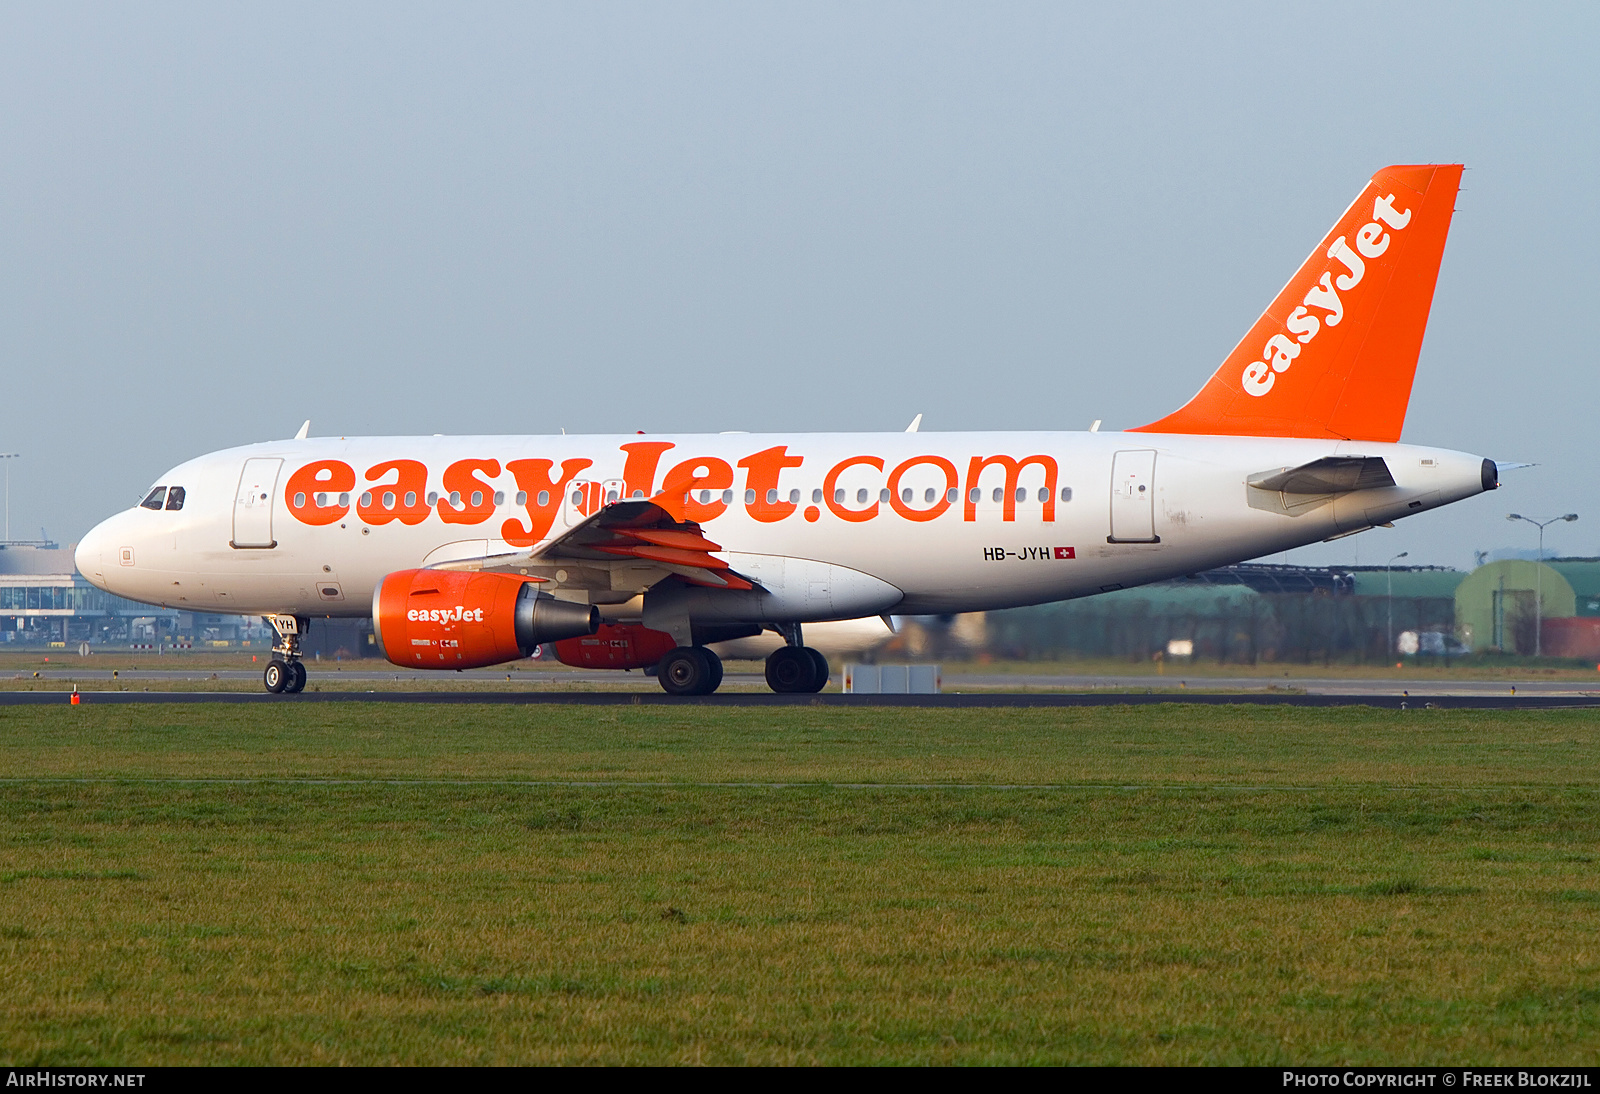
column 89, row 558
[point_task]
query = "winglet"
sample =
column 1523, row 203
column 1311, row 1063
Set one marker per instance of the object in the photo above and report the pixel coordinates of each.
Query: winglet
column 305, row 430
column 1335, row 354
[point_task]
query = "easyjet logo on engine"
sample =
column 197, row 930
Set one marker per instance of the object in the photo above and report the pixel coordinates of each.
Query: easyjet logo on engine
column 457, row 614
column 776, row 487
column 1304, row 323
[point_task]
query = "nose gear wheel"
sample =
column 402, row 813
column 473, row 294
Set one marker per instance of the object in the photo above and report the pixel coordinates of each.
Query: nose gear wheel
column 285, row 674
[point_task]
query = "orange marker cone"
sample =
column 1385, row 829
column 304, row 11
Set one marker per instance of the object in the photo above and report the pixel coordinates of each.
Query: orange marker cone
column 75, row 697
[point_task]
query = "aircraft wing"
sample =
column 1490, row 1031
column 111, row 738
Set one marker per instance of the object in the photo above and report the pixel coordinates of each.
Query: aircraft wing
column 1329, row 475
column 650, row 531
column 653, row 534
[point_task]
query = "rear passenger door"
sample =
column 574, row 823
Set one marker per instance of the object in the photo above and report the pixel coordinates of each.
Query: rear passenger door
column 1133, row 497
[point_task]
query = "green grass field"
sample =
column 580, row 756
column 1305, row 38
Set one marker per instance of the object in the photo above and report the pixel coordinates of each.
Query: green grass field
column 1174, row 884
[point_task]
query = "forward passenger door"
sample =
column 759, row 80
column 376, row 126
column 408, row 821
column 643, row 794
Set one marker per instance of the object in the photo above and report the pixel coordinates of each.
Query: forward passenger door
column 252, row 504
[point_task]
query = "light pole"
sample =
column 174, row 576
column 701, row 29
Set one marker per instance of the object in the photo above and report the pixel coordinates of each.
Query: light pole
column 1538, row 579
column 1389, row 578
column 8, row 456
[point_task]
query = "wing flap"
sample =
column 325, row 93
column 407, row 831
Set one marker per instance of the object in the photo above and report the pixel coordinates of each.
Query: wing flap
column 655, row 531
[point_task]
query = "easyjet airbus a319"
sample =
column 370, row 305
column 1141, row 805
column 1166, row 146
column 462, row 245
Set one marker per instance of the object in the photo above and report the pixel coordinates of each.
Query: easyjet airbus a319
column 637, row 552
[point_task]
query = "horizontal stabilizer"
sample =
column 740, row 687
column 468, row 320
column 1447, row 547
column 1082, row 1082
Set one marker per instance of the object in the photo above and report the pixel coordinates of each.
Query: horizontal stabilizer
column 1329, row 475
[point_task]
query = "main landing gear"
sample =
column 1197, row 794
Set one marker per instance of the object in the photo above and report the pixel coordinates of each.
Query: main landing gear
column 796, row 670
column 695, row 670
column 689, row 670
column 285, row 673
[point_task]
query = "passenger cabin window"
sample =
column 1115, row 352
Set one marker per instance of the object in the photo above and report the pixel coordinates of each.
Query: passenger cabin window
column 175, row 499
column 157, row 496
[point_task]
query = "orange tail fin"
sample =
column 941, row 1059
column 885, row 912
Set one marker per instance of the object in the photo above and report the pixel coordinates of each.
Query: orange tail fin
column 1335, row 354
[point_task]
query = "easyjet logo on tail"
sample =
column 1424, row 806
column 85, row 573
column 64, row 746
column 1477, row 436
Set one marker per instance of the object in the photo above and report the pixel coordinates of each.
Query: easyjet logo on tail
column 1364, row 291
column 1304, row 322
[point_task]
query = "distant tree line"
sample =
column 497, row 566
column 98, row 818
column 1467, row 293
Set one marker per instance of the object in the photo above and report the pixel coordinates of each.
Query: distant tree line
column 1233, row 627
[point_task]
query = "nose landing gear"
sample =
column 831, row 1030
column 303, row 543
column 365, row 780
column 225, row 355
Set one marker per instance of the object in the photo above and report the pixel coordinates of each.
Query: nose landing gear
column 286, row 674
column 287, row 677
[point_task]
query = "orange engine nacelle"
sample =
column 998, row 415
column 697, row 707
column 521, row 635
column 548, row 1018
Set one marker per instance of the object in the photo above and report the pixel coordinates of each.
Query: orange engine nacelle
column 616, row 646
column 444, row 619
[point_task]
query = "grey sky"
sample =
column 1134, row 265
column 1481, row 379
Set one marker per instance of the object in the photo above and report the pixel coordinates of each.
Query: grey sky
column 218, row 220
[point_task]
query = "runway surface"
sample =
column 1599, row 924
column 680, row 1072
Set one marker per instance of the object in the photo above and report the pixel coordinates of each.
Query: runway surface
column 1521, row 701
column 962, row 683
column 999, row 689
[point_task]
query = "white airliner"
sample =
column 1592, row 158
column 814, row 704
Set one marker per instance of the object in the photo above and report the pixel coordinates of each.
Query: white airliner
column 635, row 551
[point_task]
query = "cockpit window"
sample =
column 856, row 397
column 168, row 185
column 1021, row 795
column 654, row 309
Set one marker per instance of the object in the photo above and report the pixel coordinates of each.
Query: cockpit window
column 155, row 498
column 175, row 498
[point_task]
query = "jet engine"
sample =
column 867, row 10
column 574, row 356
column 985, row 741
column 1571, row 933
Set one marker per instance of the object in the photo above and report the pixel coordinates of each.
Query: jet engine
column 447, row 619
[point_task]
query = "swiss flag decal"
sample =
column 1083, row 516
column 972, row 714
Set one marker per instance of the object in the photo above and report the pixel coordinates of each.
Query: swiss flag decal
column 1066, row 552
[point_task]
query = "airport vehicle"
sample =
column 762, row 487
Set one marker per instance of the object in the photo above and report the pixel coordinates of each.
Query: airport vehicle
column 636, row 551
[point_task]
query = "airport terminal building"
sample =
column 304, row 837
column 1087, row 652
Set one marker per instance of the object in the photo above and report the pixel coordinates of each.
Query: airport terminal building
column 44, row 601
